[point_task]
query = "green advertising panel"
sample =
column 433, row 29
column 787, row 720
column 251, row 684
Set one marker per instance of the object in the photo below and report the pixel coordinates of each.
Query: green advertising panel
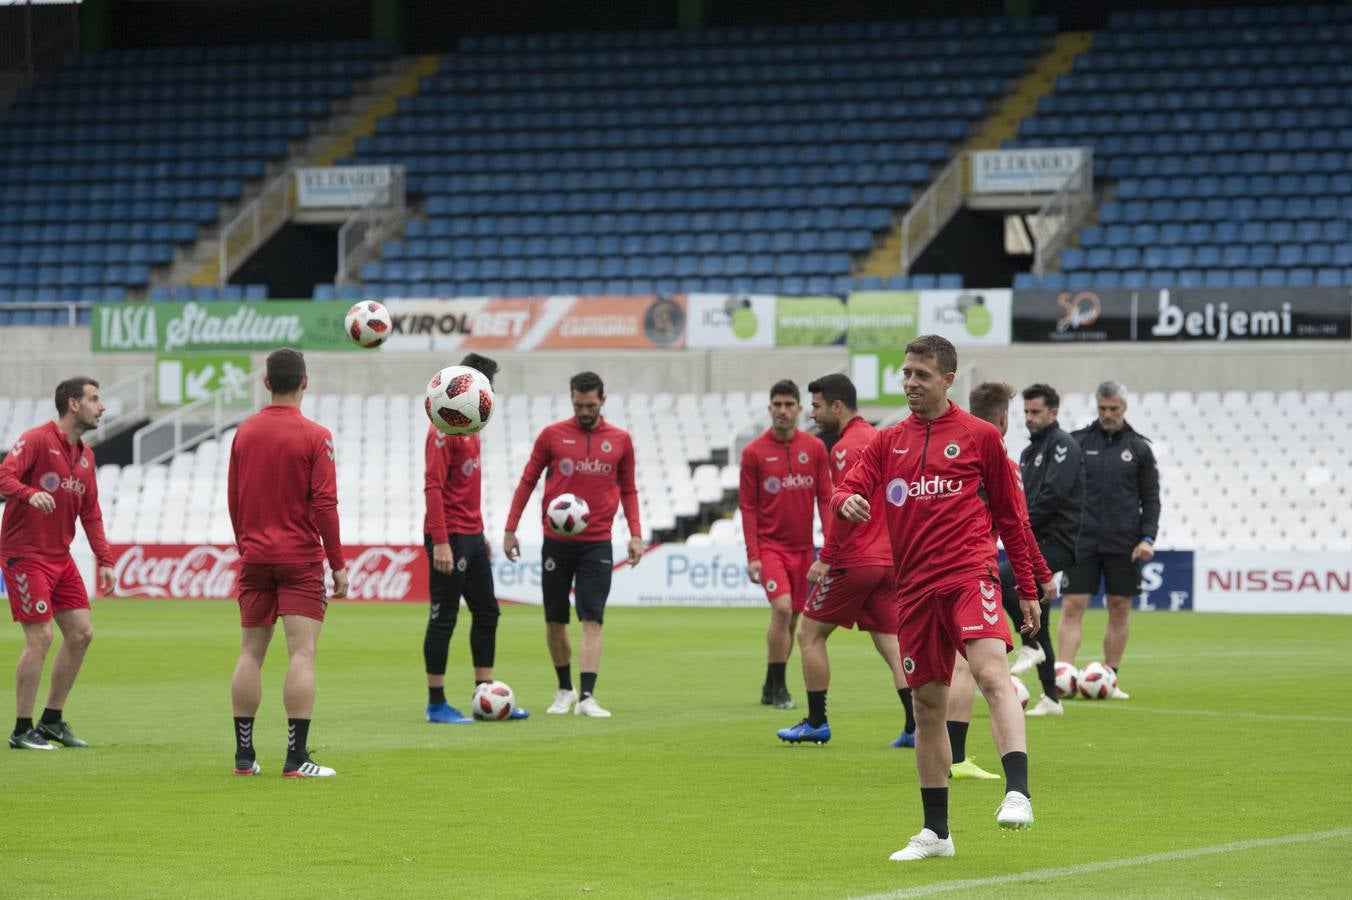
column 809, row 321
column 883, row 318
column 183, row 378
column 218, row 326
column 877, row 375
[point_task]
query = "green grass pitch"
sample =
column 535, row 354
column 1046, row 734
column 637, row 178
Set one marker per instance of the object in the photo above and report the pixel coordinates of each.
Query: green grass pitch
column 1238, row 730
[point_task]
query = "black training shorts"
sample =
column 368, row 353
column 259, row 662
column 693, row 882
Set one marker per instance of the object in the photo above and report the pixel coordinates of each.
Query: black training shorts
column 1120, row 576
column 582, row 566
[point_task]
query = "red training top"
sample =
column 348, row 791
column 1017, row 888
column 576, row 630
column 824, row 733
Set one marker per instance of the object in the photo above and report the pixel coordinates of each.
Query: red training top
column 780, row 481
column 851, row 543
column 451, row 484
column 929, row 473
column 1040, row 570
column 42, row 459
column 283, row 490
column 596, row 465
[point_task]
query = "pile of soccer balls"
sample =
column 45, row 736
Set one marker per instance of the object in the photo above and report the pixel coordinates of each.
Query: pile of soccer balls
column 1094, row 682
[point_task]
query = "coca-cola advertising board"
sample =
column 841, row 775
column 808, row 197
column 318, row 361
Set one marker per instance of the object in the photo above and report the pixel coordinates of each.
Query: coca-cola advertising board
column 381, row 573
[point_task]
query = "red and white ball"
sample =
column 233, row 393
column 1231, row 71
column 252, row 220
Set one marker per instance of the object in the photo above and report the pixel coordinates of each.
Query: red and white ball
column 1020, row 690
column 1067, row 680
column 459, row 400
column 567, row 514
column 493, row 701
column 368, row 323
column 1097, row 681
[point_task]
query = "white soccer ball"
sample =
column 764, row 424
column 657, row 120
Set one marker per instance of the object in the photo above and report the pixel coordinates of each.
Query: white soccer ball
column 1020, row 690
column 492, row 701
column 567, row 514
column 368, row 323
column 459, row 400
column 1067, row 680
column 1097, row 681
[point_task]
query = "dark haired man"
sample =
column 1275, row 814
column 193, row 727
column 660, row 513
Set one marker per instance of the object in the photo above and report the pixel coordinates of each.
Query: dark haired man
column 283, row 497
column 588, row 457
column 48, row 481
column 458, row 557
column 784, row 475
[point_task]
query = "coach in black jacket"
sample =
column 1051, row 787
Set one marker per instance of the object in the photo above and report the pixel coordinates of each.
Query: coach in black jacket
column 1053, row 482
column 1122, row 514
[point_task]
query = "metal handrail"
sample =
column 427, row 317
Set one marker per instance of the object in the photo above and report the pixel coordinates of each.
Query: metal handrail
column 70, row 307
column 215, row 405
column 929, row 214
column 132, row 397
column 1062, row 214
column 268, row 212
column 363, row 233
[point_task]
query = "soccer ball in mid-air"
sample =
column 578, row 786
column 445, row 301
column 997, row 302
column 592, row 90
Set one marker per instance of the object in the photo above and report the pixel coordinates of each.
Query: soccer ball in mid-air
column 1020, row 690
column 493, row 700
column 1067, row 680
column 567, row 514
column 368, row 323
column 459, row 400
column 1097, row 681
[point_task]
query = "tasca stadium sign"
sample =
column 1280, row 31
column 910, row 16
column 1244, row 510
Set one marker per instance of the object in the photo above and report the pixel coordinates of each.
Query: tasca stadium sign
column 216, row 326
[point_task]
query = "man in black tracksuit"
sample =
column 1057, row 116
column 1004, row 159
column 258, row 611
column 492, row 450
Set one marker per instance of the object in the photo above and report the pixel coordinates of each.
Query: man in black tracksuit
column 1121, row 519
column 1053, row 483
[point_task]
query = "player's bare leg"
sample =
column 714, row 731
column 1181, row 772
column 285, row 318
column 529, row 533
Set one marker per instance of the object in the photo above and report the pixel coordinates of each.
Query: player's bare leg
column 778, row 649
column 990, row 668
column 1068, row 633
column 37, row 640
column 932, row 759
column 589, row 662
column 816, row 680
column 77, row 631
column 298, row 695
column 1115, row 636
column 561, row 655
column 886, row 645
column 246, row 693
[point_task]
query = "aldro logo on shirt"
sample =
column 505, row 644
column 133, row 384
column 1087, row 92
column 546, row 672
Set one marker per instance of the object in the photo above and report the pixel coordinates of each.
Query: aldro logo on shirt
column 585, row 467
column 774, row 483
column 899, row 490
column 50, row 482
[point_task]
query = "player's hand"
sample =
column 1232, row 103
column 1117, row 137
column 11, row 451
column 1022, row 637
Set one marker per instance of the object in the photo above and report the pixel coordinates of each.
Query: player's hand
column 817, row 571
column 1032, row 617
column 854, row 509
column 105, row 579
column 42, row 502
column 511, row 547
column 635, row 550
column 339, row 584
column 1048, row 591
column 1143, row 552
column 443, row 559
column 753, row 571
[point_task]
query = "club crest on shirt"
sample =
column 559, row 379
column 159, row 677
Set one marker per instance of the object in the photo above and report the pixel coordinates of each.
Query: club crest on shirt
column 84, row 462
column 951, row 451
column 606, row 447
column 1037, row 460
column 1126, row 456
column 802, row 456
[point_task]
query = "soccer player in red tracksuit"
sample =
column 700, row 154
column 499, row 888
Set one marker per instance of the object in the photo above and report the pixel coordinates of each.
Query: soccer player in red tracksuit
column 48, row 480
column 588, row 457
column 853, row 577
column 459, row 560
column 783, row 474
column 929, row 468
column 989, row 401
column 283, row 500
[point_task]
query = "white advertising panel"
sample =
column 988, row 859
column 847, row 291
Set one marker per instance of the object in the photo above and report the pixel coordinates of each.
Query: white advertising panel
column 731, row 320
column 340, row 187
column 977, row 316
column 1039, row 170
column 1250, row 582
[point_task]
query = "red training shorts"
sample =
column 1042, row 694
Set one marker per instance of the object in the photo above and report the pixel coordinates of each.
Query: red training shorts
column 784, row 572
column 934, row 626
column 38, row 588
column 269, row 590
column 856, row 595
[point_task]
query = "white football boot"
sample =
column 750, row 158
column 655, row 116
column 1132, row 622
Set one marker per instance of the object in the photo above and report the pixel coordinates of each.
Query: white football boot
column 1046, row 706
column 924, row 845
column 1026, row 658
column 1016, row 811
column 1119, row 694
column 588, row 706
column 563, row 702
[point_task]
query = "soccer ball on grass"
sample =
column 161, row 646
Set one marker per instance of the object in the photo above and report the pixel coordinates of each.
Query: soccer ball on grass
column 1097, row 681
column 459, row 400
column 368, row 323
column 1067, row 680
column 567, row 514
column 493, row 700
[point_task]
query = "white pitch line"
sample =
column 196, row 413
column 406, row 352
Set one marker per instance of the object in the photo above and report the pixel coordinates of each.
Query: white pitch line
column 1084, row 868
column 1127, row 706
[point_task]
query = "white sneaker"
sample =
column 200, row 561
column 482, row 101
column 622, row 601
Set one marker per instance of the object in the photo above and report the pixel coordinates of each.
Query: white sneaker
column 1016, row 811
column 588, row 706
column 1027, row 658
column 1119, row 694
column 1046, row 706
column 563, row 702
column 923, row 845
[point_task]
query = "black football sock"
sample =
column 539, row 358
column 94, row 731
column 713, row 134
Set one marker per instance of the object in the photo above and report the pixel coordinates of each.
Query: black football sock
column 935, row 801
column 479, row 681
column 436, row 695
column 777, row 675
column 22, row 724
column 297, row 739
column 588, row 684
column 909, row 706
column 1117, row 670
column 565, row 674
column 769, row 678
column 51, row 716
column 1016, row 772
column 244, row 736
column 957, row 738
column 816, row 708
